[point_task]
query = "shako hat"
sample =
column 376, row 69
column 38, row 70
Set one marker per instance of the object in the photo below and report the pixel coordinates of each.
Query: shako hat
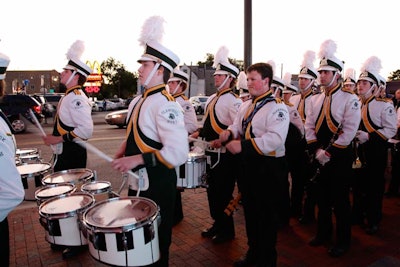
column 178, row 75
column 242, row 84
column 74, row 59
column 150, row 38
column 328, row 60
column 370, row 70
column 289, row 87
column 307, row 69
column 222, row 65
column 349, row 76
column 4, row 62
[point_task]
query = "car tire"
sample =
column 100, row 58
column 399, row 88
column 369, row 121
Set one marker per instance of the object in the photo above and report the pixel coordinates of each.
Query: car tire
column 18, row 125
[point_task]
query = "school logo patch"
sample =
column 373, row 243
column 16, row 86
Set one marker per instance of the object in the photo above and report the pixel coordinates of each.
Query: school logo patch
column 77, row 103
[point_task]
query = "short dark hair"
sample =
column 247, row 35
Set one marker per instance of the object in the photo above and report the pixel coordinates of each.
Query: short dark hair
column 264, row 69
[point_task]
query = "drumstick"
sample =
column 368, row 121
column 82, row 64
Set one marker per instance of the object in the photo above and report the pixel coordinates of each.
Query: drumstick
column 198, row 140
column 37, row 122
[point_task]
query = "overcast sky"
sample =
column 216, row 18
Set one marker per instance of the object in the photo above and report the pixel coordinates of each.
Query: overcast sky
column 37, row 34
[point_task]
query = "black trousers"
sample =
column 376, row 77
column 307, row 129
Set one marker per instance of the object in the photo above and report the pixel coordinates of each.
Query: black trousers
column 73, row 156
column 221, row 183
column 4, row 243
column 162, row 190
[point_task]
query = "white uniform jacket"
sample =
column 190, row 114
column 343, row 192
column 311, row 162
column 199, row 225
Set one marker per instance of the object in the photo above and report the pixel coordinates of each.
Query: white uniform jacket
column 75, row 112
column 295, row 118
column 11, row 188
column 337, row 107
column 266, row 132
column 302, row 103
column 379, row 116
column 189, row 114
column 156, row 117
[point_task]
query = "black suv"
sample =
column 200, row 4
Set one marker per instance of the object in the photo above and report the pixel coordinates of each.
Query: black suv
column 16, row 108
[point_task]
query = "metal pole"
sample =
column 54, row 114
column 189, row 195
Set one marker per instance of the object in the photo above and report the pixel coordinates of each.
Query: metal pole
column 248, row 28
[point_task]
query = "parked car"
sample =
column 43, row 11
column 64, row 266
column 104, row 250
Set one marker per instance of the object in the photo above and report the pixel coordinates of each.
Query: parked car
column 99, row 105
column 16, row 108
column 47, row 108
column 117, row 118
column 119, row 102
column 199, row 103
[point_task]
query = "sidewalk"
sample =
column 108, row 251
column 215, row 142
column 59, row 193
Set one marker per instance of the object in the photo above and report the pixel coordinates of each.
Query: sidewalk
column 29, row 248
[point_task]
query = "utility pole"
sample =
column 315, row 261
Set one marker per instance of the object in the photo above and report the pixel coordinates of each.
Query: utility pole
column 248, row 29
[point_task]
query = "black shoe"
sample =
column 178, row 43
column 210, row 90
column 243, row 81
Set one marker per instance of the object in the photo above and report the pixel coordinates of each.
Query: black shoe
column 371, row 230
column 71, row 252
column 210, row 232
column 245, row 261
column 337, row 251
column 317, row 242
column 219, row 239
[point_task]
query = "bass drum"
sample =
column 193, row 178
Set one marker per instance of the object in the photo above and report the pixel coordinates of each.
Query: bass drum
column 123, row 231
column 61, row 217
column 74, row 176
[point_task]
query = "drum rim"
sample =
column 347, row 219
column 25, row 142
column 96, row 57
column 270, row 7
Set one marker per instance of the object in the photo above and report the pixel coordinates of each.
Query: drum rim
column 62, row 215
column 97, row 191
column 35, row 151
column 34, row 173
column 43, row 187
column 119, row 229
column 77, row 170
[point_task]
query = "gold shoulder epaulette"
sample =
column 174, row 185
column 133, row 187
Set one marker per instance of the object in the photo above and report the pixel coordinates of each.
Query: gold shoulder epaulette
column 347, row 90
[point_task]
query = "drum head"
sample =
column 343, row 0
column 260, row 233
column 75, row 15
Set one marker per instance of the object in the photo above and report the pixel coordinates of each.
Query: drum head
column 26, row 151
column 54, row 190
column 64, row 205
column 68, row 176
column 192, row 156
column 96, row 187
column 33, row 168
column 125, row 212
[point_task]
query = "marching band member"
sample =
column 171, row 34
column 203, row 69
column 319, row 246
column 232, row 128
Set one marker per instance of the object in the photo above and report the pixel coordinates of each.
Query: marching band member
column 221, row 109
column 302, row 188
column 177, row 85
column 73, row 120
column 257, row 136
column 331, row 124
column 242, row 85
column 378, row 124
column 156, row 140
column 11, row 189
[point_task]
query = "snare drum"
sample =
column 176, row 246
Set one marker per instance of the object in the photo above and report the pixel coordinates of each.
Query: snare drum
column 101, row 190
column 61, row 217
column 190, row 174
column 48, row 191
column 73, row 176
column 31, row 175
column 123, row 231
column 27, row 155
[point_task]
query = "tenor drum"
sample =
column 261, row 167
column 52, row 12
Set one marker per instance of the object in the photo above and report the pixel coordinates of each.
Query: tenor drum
column 27, row 155
column 123, row 231
column 61, row 218
column 190, row 174
column 32, row 175
column 74, row 176
column 48, row 191
column 101, row 190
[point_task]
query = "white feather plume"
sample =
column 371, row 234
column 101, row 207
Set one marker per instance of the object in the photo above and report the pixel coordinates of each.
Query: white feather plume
column 372, row 64
column 221, row 56
column 242, row 80
column 76, row 50
column 327, row 49
column 273, row 65
column 350, row 73
column 287, row 78
column 152, row 30
column 308, row 59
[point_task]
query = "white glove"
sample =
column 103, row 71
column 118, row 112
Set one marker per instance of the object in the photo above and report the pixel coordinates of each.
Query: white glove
column 322, row 156
column 362, row 136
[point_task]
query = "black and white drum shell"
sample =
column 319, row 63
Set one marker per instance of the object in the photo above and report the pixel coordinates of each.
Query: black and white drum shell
column 61, row 217
column 101, row 190
column 48, row 191
column 123, row 231
column 74, row 176
column 27, row 155
column 32, row 175
column 190, row 174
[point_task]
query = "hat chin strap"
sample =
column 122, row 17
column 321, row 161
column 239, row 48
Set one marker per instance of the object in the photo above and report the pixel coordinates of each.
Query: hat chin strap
column 333, row 78
column 70, row 78
column 176, row 88
column 223, row 84
column 151, row 74
column 369, row 92
column 308, row 86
